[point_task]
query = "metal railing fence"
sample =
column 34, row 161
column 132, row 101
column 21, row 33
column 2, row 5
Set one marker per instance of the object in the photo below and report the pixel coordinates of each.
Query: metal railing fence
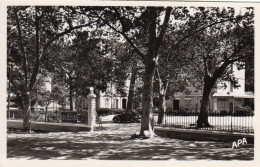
column 219, row 122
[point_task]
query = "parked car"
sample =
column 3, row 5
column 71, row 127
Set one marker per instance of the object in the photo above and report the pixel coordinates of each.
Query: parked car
column 127, row 116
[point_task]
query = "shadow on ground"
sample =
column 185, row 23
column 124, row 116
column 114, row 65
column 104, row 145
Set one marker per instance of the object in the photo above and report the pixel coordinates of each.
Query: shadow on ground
column 115, row 144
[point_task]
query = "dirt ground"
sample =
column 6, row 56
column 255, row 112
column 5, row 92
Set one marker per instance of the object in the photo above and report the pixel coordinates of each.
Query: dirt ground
column 115, row 144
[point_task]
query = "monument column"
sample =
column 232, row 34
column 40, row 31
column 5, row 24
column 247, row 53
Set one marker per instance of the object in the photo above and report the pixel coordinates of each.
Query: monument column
column 91, row 109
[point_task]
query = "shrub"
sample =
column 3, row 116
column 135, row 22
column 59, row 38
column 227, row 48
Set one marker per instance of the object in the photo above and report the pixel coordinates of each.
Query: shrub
column 181, row 112
column 169, row 110
column 16, row 114
column 116, row 111
column 52, row 117
column 69, row 117
column 139, row 111
column 223, row 112
column 103, row 111
column 244, row 111
column 83, row 117
column 36, row 117
column 108, row 111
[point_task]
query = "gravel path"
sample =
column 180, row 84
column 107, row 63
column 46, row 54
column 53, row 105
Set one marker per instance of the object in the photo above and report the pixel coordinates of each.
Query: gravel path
column 115, row 144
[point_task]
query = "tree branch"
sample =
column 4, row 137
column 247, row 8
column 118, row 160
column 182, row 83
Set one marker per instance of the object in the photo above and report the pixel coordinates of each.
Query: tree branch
column 37, row 50
column 60, row 35
column 205, row 65
column 197, row 64
column 124, row 35
column 22, row 49
column 197, row 31
column 164, row 27
column 219, row 71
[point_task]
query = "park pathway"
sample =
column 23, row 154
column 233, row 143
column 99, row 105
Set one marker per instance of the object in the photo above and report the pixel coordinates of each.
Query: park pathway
column 115, row 144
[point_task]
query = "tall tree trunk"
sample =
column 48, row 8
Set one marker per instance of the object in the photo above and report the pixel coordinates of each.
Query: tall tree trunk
column 27, row 112
column 162, row 102
column 71, row 93
column 131, row 89
column 150, row 59
column 71, row 100
column 111, row 94
column 46, row 112
column 209, row 82
column 162, row 108
column 147, row 99
column 9, row 92
column 26, row 101
column 162, row 88
column 8, row 105
column 203, row 115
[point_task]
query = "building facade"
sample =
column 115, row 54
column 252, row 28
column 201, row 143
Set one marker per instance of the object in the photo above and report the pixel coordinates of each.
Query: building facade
column 221, row 100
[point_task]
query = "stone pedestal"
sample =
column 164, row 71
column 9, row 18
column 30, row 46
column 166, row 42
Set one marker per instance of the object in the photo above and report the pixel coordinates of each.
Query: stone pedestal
column 91, row 109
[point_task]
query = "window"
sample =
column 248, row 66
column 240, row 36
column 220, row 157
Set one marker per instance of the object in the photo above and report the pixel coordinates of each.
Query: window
column 116, row 103
column 187, row 103
column 124, row 103
column 107, row 103
column 222, row 104
column 176, row 105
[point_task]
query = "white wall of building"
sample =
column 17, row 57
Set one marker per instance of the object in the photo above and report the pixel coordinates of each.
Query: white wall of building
column 112, row 102
column 193, row 100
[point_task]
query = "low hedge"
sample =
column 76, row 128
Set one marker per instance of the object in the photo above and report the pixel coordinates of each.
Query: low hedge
column 109, row 111
column 82, row 117
column 223, row 112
